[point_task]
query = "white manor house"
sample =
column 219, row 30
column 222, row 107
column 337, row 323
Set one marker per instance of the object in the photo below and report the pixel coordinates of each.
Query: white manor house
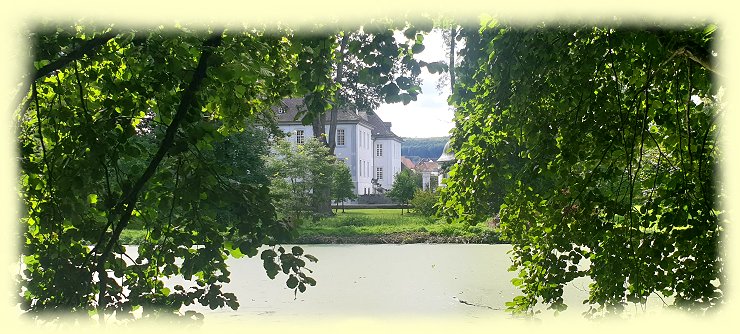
column 364, row 142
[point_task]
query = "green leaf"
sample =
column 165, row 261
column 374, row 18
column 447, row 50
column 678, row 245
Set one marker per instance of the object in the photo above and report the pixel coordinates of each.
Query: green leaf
column 403, row 83
column 236, row 253
column 268, row 254
column 292, row 282
column 390, row 90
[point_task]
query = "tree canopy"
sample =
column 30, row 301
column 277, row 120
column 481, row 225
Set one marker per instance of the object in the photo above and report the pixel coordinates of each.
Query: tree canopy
column 125, row 127
column 596, row 145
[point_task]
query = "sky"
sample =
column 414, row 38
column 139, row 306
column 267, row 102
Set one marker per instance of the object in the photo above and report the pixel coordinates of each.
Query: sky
column 429, row 115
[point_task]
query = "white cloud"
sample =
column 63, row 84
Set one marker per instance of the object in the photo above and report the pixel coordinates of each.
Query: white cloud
column 433, row 47
column 429, row 115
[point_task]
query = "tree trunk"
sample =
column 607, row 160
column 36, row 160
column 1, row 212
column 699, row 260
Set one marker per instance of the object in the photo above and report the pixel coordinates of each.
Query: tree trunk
column 318, row 126
column 323, row 205
column 319, row 130
column 334, row 112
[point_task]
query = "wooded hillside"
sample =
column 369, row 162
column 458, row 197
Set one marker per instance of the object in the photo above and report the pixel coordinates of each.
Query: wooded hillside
column 430, row 148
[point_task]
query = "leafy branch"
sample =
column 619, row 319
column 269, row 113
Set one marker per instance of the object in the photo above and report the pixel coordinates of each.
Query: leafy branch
column 128, row 202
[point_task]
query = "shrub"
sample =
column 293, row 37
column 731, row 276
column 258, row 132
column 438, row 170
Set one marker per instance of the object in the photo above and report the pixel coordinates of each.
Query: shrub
column 424, row 201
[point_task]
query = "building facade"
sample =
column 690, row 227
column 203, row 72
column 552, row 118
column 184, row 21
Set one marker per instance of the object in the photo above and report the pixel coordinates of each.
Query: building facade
column 364, row 142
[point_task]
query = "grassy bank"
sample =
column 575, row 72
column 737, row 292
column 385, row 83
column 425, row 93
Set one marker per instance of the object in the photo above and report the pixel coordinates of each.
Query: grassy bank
column 370, row 226
column 389, row 226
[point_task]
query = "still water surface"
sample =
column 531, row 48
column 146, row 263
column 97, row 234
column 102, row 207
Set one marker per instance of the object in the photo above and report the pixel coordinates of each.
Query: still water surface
column 384, row 281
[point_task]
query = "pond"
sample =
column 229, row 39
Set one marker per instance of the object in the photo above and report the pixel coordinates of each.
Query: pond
column 388, row 282
column 385, row 282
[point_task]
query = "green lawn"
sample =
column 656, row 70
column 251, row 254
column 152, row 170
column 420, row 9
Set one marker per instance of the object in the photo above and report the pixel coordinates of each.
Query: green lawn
column 357, row 225
column 369, row 222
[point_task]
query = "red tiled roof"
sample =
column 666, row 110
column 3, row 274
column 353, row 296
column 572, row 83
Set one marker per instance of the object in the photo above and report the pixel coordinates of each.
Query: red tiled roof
column 407, row 162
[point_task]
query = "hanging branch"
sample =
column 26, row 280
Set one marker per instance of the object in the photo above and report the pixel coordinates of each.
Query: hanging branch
column 88, row 47
column 128, row 202
column 83, row 103
column 643, row 127
column 688, row 115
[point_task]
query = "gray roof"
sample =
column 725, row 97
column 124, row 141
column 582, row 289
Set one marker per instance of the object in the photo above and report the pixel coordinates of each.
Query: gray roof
column 288, row 112
column 381, row 129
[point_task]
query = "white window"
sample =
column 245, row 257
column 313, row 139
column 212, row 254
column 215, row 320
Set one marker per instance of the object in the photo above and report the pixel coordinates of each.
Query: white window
column 379, row 173
column 379, row 150
column 340, row 137
column 299, row 137
column 361, row 167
